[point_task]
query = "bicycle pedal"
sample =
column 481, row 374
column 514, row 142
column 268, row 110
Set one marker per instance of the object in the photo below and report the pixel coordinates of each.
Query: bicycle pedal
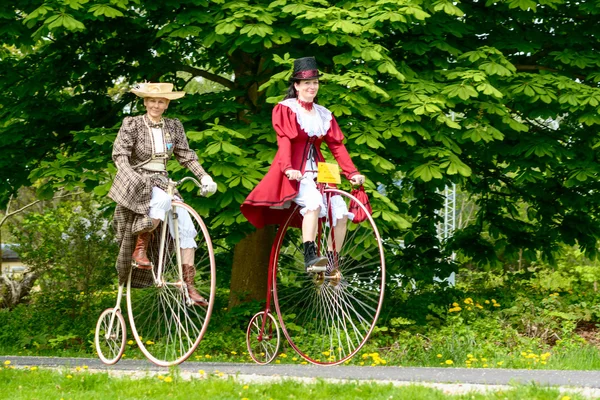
column 142, row 267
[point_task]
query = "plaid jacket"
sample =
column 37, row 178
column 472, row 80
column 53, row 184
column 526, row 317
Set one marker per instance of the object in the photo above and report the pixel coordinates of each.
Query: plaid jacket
column 132, row 187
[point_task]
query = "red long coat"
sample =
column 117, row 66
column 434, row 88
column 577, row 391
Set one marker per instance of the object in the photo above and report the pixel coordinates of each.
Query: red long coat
column 275, row 189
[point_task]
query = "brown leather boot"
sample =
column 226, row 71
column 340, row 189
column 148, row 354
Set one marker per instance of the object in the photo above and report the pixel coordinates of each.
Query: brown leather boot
column 139, row 257
column 188, row 277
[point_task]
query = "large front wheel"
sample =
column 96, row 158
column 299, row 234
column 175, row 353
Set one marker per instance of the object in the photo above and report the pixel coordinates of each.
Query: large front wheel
column 327, row 317
column 166, row 324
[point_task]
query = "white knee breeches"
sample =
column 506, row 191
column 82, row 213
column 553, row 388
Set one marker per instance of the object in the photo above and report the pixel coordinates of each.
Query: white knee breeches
column 160, row 203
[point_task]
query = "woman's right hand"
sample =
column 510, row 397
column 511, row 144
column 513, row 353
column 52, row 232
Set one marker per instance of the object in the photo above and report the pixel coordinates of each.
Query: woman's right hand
column 293, row 174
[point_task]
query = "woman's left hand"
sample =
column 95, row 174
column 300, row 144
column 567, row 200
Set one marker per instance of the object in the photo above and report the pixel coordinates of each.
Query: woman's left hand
column 357, row 179
column 208, row 185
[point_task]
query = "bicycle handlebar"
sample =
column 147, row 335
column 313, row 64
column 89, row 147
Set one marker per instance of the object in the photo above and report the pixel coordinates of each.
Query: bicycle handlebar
column 170, row 182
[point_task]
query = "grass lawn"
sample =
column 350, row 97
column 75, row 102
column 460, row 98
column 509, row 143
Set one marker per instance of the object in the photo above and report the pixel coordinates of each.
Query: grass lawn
column 79, row 383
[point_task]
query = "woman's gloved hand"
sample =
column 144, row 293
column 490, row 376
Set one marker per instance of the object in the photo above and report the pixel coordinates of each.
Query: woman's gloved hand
column 208, row 185
column 293, row 174
column 357, row 179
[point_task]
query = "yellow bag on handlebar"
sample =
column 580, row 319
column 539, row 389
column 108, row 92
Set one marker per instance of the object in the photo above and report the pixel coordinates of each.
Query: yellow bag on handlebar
column 328, row 173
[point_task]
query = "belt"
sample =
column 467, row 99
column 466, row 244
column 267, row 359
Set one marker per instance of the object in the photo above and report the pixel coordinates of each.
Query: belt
column 155, row 165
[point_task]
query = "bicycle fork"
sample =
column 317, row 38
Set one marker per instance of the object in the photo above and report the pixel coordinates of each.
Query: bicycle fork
column 114, row 313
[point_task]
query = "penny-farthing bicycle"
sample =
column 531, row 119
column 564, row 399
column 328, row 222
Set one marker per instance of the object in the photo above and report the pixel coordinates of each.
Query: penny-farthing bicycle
column 325, row 317
column 166, row 324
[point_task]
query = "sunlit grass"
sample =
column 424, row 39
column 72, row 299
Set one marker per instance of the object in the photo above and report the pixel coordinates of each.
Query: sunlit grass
column 80, row 383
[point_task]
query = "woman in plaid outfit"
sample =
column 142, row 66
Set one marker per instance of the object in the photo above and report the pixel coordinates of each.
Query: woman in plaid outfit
column 140, row 152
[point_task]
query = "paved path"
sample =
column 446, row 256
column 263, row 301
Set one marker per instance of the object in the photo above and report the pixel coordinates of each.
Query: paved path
column 582, row 379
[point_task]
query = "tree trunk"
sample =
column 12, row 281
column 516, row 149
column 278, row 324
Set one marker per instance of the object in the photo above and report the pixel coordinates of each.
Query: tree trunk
column 250, row 266
column 12, row 292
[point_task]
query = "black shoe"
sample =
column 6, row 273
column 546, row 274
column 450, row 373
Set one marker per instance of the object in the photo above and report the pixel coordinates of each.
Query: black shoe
column 312, row 261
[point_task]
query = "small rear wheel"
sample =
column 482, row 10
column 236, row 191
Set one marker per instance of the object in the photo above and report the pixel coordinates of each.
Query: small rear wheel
column 110, row 336
column 263, row 343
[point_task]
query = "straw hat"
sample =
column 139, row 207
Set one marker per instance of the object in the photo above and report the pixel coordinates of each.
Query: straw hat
column 162, row 90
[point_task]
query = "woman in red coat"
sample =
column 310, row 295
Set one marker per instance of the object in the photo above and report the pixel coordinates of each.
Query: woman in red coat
column 301, row 126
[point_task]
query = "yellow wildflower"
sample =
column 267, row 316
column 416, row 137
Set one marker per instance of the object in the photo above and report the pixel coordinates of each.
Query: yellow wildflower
column 234, row 353
column 449, row 362
column 7, row 362
column 439, row 356
column 168, row 379
column 245, row 387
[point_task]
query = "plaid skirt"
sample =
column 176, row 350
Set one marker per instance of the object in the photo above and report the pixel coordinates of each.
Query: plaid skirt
column 128, row 225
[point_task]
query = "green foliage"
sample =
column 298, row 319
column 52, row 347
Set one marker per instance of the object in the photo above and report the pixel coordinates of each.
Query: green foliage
column 500, row 97
column 72, row 246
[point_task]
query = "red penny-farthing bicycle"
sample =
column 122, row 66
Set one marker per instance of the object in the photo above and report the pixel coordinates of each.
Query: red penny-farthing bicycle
column 326, row 317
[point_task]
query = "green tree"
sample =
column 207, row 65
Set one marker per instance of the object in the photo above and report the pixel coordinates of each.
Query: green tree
column 500, row 97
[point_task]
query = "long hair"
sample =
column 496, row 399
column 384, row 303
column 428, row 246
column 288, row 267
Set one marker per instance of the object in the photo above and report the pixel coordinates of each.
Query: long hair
column 292, row 93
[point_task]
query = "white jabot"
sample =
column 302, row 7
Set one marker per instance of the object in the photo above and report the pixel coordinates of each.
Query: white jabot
column 315, row 123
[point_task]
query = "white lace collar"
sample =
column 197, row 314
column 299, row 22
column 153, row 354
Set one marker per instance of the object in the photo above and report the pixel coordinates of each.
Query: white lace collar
column 314, row 124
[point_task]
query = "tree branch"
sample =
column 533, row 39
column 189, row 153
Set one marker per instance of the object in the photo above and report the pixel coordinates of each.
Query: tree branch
column 10, row 214
column 208, row 75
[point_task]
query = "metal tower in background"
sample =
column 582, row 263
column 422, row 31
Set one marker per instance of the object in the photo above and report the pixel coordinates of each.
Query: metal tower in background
column 445, row 229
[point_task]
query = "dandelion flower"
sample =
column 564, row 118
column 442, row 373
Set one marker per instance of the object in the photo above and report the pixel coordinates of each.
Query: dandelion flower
column 439, row 356
column 69, row 376
column 34, row 368
column 201, row 372
column 130, row 342
column 168, row 379
column 234, row 353
column 149, row 342
column 160, row 377
column 449, row 362
column 245, row 387
column 7, row 362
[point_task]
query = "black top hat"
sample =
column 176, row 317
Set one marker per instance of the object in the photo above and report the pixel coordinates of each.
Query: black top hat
column 305, row 68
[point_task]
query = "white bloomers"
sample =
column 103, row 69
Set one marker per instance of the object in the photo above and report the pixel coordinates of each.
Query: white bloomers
column 160, row 203
column 310, row 198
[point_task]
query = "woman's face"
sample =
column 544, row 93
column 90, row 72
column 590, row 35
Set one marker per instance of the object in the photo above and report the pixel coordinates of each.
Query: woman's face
column 307, row 90
column 156, row 106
